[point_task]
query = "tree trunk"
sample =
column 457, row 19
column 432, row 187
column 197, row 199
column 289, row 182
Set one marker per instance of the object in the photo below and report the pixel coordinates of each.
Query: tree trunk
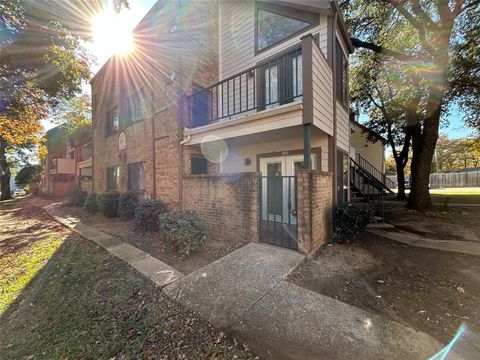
column 419, row 198
column 401, row 182
column 423, row 146
column 4, row 175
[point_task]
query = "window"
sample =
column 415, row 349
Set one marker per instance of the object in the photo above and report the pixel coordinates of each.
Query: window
column 282, row 80
column 113, row 178
column 111, row 124
column 135, row 107
column 199, row 165
column 136, row 177
column 199, row 107
column 94, row 110
column 278, row 23
column 341, row 75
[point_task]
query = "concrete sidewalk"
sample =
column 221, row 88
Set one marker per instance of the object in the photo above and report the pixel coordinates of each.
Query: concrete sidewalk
column 245, row 292
column 157, row 271
column 405, row 237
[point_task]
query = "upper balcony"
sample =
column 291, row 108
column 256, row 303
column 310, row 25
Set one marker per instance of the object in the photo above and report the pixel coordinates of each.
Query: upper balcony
column 62, row 166
column 85, row 155
column 274, row 94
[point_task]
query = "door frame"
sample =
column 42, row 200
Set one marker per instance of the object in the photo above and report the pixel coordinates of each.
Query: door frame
column 287, row 167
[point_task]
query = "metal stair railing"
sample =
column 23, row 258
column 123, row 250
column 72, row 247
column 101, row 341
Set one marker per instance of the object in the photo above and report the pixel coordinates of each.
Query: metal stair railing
column 366, row 166
column 370, row 187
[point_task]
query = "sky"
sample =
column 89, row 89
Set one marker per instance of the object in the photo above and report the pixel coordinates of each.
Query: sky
column 107, row 29
column 108, row 26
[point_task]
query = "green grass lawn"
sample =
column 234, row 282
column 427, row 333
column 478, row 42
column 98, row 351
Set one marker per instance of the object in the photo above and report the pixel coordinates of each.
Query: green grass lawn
column 72, row 300
column 19, row 268
column 455, row 195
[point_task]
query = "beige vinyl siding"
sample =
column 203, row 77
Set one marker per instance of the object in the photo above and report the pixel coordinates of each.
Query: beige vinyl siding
column 238, row 152
column 237, row 37
column 322, row 92
column 371, row 151
column 343, row 128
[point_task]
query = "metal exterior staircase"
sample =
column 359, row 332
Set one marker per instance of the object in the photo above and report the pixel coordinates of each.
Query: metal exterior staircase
column 368, row 184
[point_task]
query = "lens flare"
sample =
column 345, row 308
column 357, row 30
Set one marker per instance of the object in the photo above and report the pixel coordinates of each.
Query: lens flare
column 112, row 34
column 214, row 149
column 442, row 354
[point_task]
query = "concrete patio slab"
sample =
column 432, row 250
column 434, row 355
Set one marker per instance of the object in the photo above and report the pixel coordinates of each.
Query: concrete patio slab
column 291, row 322
column 127, row 252
column 221, row 292
column 157, row 271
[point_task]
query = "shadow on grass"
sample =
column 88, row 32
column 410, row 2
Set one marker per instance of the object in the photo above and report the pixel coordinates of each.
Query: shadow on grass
column 23, row 225
column 84, row 303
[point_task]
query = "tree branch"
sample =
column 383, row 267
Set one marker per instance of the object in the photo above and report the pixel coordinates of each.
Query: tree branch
column 415, row 23
column 381, row 50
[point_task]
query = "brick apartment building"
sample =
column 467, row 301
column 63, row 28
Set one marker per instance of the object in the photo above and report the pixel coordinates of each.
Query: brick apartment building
column 65, row 166
column 235, row 109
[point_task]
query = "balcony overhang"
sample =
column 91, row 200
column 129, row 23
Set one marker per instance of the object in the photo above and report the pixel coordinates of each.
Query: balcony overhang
column 85, row 163
column 245, row 124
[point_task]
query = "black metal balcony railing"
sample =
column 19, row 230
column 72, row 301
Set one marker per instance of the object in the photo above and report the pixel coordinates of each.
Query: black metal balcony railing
column 267, row 85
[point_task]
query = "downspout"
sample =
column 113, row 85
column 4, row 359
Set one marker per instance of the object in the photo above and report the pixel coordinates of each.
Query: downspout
column 334, row 92
column 187, row 140
column 154, row 160
column 180, row 110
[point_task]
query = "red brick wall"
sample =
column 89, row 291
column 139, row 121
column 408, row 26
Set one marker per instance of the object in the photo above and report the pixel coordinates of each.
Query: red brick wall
column 169, row 58
column 314, row 208
column 62, row 188
column 229, row 204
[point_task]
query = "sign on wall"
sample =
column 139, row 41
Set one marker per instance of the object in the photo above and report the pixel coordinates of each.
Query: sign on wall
column 122, row 141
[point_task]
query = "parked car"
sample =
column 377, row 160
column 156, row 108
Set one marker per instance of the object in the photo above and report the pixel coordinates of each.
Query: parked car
column 19, row 192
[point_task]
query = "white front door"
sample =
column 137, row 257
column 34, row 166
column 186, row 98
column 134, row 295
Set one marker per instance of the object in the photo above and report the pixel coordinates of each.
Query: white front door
column 278, row 187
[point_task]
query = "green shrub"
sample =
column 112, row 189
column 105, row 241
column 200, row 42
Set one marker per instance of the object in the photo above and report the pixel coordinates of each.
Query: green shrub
column 185, row 230
column 91, row 203
column 107, row 203
column 77, row 197
column 147, row 213
column 127, row 204
column 351, row 220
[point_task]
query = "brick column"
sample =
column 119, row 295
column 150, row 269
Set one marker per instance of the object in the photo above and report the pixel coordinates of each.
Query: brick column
column 314, row 207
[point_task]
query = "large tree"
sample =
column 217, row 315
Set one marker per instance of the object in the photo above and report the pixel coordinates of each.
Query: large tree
column 390, row 97
column 436, row 25
column 75, row 116
column 42, row 63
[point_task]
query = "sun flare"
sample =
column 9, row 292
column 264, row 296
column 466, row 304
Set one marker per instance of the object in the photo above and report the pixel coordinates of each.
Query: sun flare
column 112, row 34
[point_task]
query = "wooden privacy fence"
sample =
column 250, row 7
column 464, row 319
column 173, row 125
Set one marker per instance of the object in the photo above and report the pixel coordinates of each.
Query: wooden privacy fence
column 447, row 180
column 461, row 179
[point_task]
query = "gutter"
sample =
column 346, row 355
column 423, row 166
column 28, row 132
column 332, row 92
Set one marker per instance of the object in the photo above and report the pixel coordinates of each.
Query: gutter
column 187, row 140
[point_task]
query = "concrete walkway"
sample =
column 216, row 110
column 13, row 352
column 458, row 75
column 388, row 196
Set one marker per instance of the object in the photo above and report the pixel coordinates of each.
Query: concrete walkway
column 157, row 271
column 405, row 237
column 246, row 293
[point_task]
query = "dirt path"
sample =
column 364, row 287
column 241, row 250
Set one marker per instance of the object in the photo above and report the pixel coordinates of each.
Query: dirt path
column 431, row 290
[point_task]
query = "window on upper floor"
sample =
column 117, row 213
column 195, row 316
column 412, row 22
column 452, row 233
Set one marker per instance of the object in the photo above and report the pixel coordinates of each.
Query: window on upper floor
column 282, row 80
column 275, row 24
column 341, row 75
column 135, row 107
column 136, row 177
column 94, row 110
column 111, row 123
column 113, row 178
